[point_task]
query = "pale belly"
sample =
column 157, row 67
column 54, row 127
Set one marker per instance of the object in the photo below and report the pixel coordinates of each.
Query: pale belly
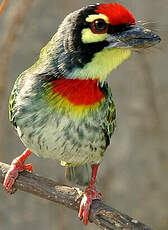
column 61, row 138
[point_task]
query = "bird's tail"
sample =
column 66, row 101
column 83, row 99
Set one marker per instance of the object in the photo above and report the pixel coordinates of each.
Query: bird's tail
column 80, row 175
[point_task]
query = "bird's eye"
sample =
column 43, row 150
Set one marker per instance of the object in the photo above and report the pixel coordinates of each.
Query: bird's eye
column 99, row 26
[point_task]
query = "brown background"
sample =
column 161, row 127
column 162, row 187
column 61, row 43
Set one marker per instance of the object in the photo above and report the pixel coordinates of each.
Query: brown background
column 134, row 175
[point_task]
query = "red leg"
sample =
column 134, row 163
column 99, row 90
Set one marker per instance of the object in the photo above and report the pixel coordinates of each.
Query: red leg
column 89, row 195
column 17, row 166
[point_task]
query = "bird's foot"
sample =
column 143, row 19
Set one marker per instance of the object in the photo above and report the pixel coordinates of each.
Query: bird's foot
column 90, row 194
column 17, row 166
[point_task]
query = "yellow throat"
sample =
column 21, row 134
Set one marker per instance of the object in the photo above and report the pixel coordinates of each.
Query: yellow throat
column 102, row 64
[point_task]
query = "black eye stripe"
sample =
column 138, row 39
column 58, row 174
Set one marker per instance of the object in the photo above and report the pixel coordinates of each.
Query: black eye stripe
column 118, row 28
column 111, row 29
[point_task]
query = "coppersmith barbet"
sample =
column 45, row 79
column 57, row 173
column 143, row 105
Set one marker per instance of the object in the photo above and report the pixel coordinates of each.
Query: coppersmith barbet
column 62, row 107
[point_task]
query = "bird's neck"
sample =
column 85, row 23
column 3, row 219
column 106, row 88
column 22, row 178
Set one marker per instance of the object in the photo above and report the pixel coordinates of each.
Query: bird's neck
column 56, row 58
column 101, row 64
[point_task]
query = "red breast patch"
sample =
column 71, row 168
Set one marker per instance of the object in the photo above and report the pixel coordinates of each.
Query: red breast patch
column 78, row 92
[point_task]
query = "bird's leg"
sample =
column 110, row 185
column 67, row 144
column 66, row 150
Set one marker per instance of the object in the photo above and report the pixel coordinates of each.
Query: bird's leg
column 17, row 166
column 89, row 195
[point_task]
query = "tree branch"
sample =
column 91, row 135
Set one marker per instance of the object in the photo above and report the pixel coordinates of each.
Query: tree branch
column 2, row 6
column 102, row 215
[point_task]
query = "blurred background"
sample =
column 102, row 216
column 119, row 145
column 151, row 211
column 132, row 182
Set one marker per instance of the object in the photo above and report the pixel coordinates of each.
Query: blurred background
column 134, row 174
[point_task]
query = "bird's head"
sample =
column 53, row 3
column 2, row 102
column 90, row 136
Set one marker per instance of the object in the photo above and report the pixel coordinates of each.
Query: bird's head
column 94, row 40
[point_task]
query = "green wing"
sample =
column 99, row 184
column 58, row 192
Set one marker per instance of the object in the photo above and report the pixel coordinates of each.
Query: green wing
column 12, row 106
column 109, row 123
column 12, row 100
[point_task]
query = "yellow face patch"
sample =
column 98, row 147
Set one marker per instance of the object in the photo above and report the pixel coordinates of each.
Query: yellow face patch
column 93, row 17
column 89, row 37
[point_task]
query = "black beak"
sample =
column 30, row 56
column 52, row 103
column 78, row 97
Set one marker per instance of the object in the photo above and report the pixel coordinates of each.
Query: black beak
column 135, row 37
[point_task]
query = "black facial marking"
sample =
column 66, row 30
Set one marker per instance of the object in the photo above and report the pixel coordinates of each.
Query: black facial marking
column 118, row 28
column 71, row 51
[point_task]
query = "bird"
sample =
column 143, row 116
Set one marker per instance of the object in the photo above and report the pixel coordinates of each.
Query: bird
column 62, row 106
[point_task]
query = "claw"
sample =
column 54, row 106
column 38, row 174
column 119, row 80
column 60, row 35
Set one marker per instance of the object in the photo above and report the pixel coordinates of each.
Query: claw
column 89, row 195
column 28, row 167
column 10, row 178
column 17, row 166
